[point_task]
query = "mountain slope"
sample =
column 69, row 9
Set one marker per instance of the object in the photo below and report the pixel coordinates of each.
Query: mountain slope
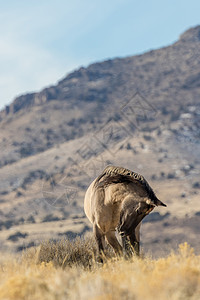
column 141, row 112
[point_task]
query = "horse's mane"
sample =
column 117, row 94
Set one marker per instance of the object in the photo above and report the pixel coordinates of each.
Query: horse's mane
column 112, row 175
column 112, row 170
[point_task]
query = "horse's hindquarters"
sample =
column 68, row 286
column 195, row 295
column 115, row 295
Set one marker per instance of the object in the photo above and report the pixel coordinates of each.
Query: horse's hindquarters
column 88, row 203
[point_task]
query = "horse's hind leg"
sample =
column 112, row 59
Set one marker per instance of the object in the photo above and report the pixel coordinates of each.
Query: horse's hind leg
column 99, row 237
column 112, row 240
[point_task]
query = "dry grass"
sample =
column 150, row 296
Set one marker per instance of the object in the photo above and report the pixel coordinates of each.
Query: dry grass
column 68, row 271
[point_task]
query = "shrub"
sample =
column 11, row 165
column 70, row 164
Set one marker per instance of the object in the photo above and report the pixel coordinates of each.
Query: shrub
column 78, row 252
column 196, row 185
column 15, row 237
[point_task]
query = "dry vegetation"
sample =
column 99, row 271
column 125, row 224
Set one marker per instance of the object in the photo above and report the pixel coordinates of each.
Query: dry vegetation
column 67, row 270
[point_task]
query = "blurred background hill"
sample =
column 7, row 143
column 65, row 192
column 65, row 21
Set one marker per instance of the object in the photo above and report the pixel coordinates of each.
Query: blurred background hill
column 141, row 112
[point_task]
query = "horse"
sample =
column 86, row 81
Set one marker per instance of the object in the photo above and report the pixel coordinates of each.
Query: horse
column 115, row 203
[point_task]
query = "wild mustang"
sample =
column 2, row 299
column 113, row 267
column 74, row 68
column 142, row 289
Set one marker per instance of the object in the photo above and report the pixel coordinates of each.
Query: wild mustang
column 116, row 202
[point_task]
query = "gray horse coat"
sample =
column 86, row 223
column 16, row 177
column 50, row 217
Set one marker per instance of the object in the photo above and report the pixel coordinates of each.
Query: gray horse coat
column 117, row 201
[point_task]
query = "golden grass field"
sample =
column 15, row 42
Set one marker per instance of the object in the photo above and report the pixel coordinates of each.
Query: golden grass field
column 67, row 270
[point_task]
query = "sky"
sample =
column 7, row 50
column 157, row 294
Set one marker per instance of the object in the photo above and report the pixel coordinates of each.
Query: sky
column 41, row 41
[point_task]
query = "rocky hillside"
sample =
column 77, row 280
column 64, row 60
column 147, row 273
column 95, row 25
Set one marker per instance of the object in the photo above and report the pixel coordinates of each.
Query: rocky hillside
column 141, row 112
